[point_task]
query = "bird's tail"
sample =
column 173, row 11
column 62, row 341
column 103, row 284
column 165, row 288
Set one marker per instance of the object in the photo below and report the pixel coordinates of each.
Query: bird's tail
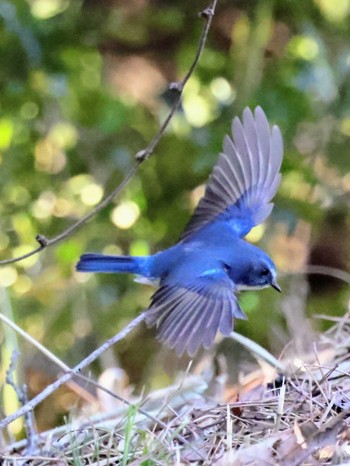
column 112, row 264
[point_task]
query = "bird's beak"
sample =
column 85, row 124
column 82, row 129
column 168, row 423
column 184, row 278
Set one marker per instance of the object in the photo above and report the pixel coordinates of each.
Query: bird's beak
column 275, row 285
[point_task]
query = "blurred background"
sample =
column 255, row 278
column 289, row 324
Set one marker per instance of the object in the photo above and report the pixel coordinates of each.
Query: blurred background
column 84, row 86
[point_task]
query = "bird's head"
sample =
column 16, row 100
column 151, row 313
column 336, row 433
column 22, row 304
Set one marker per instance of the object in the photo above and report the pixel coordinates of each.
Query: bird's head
column 264, row 273
column 260, row 273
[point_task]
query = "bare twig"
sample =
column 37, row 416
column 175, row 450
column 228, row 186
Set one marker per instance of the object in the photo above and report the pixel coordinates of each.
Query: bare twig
column 141, row 155
column 71, row 373
column 207, row 14
column 35, row 343
column 46, row 242
column 22, row 396
column 258, row 351
column 72, row 385
column 329, row 271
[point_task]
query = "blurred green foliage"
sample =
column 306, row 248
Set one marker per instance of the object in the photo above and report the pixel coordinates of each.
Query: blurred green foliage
column 84, row 86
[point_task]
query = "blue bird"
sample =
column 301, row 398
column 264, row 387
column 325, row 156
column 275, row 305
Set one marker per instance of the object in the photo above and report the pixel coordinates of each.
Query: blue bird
column 200, row 276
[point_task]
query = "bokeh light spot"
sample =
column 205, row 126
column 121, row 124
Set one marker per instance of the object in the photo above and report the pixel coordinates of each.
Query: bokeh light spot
column 29, row 110
column 249, row 301
column 48, row 157
column 345, row 126
column 8, row 276
column 294, row 186
column 91, row 194
column 255, row 233
column 197, row 194
column 221, row 89
column 139, row 248
column 197, row 110
column 22, row 285
column 125, row 215
column 6, row 133
column 304, row 47
column 63, row 208
column 34, row 326
column 23, row 226
column 112, row 249
column 82, row 327
column 63, row 135
column 20, row 251
column 334, row 11
column 77, row 183
column 81, row 277
column 44, row 9
column 180, row 125
column 17, row 194
column 44, row 206
column 4, row 241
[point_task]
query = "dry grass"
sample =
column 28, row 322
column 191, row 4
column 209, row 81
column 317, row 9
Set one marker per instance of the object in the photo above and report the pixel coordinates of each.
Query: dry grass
column 300, row 417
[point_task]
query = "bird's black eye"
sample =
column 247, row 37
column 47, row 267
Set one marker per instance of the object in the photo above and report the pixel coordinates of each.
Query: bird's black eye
column 264, row 272
column 227, row 268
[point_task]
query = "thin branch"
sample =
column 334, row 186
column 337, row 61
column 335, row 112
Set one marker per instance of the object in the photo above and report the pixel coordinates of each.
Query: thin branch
column 258, row 351
column 207, row 14
column 328, row 271
column 85, row 395
column 141, row 155
column 22, row 396
column 46, row 242
column 35, row 343
column 71, row 373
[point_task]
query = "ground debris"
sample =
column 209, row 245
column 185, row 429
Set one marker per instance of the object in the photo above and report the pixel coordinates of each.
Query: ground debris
column 301, row 417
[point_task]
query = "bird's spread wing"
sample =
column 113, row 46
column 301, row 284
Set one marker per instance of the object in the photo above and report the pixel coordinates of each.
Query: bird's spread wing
column 245, row 178
column 190, row 316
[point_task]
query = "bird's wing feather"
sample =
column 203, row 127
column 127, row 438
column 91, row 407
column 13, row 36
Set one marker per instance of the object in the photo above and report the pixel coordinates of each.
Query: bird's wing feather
column 188, row 316
column 245, row 179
